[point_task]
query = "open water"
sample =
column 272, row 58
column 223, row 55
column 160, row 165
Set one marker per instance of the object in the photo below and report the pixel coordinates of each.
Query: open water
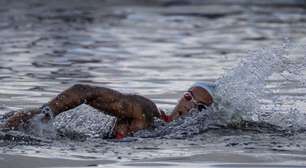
column 255, row 53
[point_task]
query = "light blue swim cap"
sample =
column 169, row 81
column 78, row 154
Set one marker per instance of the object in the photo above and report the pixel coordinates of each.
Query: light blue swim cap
column 210, row 87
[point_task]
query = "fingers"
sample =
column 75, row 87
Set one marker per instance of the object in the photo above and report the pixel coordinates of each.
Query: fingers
column 16, row 120
column 19, row 119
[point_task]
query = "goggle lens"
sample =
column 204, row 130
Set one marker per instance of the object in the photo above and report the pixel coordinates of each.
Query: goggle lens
column 188, row 96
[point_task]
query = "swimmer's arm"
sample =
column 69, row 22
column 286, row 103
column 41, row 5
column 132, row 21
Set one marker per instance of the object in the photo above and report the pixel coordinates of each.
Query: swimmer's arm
column 105, row 100
column 68, row 99
column 84, row 94
column 101, row 98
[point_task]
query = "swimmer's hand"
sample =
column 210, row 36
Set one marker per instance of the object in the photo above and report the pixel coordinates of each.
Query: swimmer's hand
column 22, row 119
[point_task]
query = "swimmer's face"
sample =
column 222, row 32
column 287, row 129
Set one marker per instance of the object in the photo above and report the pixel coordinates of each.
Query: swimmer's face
column 196, row 97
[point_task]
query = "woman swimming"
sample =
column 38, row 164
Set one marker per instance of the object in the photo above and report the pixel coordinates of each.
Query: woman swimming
column 132, row 112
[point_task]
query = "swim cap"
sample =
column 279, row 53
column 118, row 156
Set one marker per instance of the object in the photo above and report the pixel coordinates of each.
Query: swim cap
column 210, row 87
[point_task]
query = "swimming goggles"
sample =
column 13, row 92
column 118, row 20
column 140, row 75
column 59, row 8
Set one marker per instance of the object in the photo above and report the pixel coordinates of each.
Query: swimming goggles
column 190, row 97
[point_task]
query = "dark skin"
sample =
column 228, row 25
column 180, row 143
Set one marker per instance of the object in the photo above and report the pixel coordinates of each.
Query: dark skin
column 134, row 112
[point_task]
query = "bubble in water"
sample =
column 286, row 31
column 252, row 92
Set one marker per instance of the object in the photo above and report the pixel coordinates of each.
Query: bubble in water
column 41, row 128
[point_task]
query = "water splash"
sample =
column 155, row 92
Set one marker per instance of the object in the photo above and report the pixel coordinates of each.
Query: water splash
column 40, row 128
column 237, row 98
column 83, row 122
column 188, row 125
column 78, row 124
column 240, row 90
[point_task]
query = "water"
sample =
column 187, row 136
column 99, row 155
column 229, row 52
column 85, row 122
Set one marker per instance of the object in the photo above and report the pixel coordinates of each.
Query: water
column 255, row 53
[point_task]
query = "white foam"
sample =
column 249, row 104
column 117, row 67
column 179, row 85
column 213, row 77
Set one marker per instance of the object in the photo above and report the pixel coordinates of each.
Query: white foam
column 85, row 121
column 239, row 91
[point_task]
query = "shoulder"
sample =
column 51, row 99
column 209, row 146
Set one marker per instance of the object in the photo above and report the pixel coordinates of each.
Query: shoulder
column 146, row 104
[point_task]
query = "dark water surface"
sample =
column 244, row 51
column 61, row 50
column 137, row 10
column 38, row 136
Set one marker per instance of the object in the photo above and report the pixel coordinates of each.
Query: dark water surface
column 154, row 49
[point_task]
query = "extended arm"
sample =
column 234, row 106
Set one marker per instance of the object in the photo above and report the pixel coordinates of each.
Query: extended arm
column 138, row 110
column 79, row 94
column 69, row 99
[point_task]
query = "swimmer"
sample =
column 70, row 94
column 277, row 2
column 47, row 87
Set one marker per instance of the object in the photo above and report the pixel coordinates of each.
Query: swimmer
column 132, row 112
